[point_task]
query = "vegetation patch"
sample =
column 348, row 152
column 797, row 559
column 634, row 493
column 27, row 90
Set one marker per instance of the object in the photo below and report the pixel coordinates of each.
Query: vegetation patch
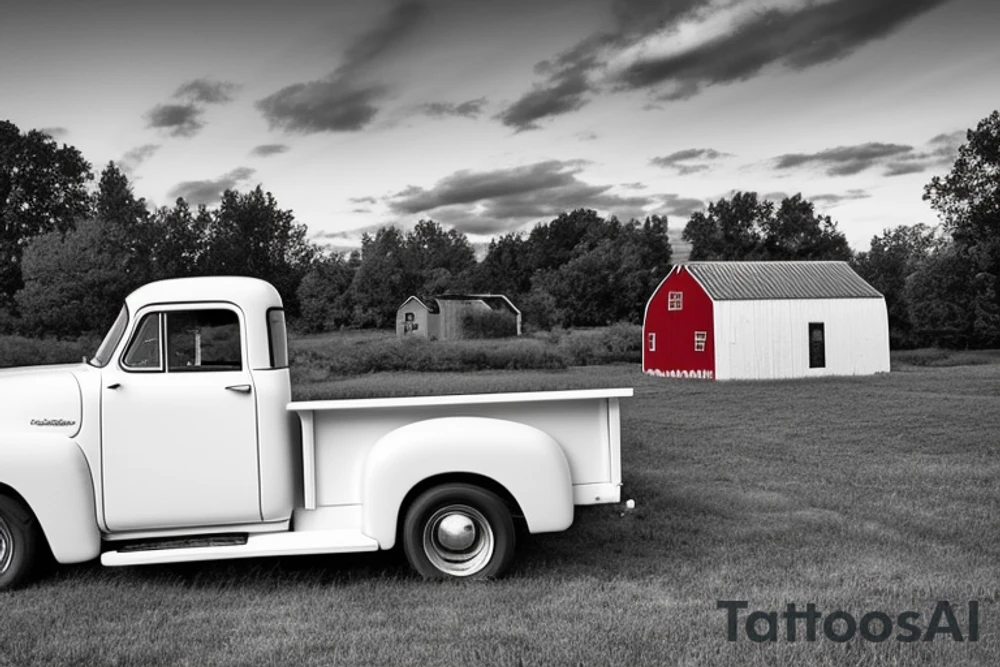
column 21, row 351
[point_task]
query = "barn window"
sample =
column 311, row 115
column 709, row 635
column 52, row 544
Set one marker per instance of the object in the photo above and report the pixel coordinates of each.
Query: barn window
column 699, row 341
column 675, row 300
column 652, row 342
column 817, row 345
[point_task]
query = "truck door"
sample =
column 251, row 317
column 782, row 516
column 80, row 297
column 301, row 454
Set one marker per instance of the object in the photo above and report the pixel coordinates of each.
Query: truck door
column 179, row 422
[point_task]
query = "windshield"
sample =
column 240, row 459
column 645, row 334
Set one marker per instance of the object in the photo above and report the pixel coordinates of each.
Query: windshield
column 103, row 354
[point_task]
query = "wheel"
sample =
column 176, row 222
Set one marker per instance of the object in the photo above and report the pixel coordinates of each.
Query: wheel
column 19, row 543
column 458, row 530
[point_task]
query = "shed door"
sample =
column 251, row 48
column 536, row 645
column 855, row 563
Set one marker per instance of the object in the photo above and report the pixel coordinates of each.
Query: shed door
column 817, row 345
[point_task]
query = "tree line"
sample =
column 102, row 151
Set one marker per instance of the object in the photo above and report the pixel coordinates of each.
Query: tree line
column 70, row 252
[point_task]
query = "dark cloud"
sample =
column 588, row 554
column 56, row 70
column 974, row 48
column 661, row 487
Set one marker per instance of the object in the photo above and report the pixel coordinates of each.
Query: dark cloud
column 505, row 199
column 267, row 150
column 798, row 38
column 566, row 93
column 681, row 206
column 206, row 91
column 363, row 200
column 939, row 153
column 397, row 25
column 831, row 200
column 131, row 160
column 689, row 161
column 331, row 105
column 340, row 102
column 210, row 191
column 845, row 160
column 469, row 109
column 55, row 132
column 178, row 120
column 184, row 119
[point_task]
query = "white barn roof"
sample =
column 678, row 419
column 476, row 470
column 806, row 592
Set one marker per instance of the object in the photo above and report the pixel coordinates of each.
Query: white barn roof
column 744, row 281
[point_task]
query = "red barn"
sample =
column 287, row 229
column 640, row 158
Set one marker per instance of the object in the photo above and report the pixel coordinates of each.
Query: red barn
column 757, row 320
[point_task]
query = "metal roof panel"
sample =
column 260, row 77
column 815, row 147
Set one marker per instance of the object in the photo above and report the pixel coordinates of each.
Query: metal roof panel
column 742, row 281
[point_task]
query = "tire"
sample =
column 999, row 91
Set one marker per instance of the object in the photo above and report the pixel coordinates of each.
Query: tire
column 458, row 531
column 20, row 543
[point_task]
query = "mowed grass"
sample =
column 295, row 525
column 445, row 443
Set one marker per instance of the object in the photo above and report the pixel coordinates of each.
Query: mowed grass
column 855, row 494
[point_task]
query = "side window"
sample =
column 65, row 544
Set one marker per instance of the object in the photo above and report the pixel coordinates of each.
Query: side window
column 277, row 337
column 203, row 340
column 144, row 350
column 699, row 340
column 652, row 342
column 675, row 300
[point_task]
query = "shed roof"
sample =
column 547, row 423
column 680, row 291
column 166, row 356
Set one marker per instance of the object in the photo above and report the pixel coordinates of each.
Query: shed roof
column 740, row 281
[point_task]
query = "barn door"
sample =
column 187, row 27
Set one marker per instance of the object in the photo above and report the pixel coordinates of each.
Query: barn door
column 817, row 345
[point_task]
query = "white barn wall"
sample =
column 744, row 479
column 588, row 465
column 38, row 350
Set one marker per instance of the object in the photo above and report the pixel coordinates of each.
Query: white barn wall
column 769, row 339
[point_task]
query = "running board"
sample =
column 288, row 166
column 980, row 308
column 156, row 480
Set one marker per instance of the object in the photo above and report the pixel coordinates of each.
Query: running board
column 255, row 546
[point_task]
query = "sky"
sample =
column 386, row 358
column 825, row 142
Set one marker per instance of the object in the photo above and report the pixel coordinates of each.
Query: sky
column 490, row 117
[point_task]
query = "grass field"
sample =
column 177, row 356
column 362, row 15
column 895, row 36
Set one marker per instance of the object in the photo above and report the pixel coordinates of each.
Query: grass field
column 855, row 494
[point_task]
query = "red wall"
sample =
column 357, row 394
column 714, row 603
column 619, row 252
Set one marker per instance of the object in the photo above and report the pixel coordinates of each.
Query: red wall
column 674, row 329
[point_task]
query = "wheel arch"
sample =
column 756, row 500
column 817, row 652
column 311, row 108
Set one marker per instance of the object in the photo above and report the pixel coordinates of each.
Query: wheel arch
column 502, row 456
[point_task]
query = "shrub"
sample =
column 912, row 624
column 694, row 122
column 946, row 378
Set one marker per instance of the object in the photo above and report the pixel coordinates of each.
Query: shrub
column 488, row 324
column 20, row 351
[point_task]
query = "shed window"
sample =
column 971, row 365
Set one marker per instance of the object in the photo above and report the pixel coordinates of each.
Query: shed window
column 675, row 300
column 652, row 342
column 699, row 341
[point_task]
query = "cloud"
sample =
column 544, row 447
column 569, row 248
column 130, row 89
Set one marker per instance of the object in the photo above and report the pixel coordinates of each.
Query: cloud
column 845, row 160
column 55, row 132
column 469, row 109
column 831, row 200
column 689, row 161
column 340, row 102
column 210, row 191
column 674, row 48
column 206, row 91
column 131, row 160
column 681, row 206
column 567, row 92
column 939, row 153
column 178, row 120
column 501, row 200
column 267, row 150
column 330, row 105
column 184, row 119
column 363, row 200
column 798, row 37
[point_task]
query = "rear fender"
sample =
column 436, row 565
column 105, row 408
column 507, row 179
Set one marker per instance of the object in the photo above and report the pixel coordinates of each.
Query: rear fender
column 52, row 476
column 527, row 462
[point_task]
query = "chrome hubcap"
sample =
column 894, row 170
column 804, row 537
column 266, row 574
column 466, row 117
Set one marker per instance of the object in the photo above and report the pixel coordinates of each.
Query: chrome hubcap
column 6, row 546
column 458, row 540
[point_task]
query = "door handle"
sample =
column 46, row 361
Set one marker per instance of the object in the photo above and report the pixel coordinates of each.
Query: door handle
column 116, row 385
column 242, row 388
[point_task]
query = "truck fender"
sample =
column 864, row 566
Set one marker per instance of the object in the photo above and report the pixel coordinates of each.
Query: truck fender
column 526, row 461
column 51, row 475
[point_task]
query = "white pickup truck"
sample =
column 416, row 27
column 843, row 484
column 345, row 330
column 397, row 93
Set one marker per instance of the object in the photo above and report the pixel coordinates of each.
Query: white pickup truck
column 178, row 442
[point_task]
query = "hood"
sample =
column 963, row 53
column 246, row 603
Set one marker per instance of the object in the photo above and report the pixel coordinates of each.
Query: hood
column 40, row 400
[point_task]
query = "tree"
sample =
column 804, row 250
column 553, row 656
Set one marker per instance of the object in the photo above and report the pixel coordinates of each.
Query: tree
column 434, row 258
column 733, row 229
column 795, row 232
column 745, row 228
column 323, row 294
column 893, row 257
column 381, row 282
column 968, row 202
column 43, row 188
column 951, row 303
column 178, row 240
column 506, row 268
column 74, row 282
column 250, row 236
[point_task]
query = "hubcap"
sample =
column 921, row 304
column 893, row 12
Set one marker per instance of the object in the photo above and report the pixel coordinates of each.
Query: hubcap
column 6, row 546
column 458, row 540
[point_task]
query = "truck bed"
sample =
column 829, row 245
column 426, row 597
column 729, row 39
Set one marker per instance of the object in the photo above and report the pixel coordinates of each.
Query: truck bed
column 337, row 434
